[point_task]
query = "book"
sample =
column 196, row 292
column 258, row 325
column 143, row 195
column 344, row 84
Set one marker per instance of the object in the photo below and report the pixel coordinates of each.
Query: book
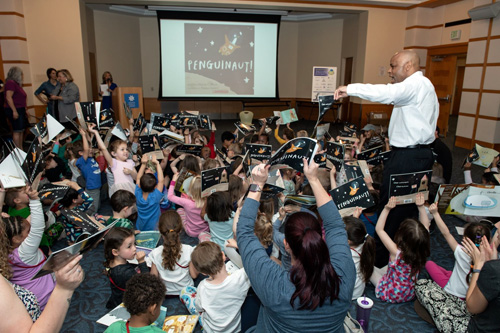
column 87, row 112
column 292, row 153
column 183, row 175
column 87, row 223
column 40, row 128
column 223, row 157
column 106, row 119
column 120, row 313
column 476, row 200
column 11, row 173
column 34, row 163
column 372, row 156
column 172, row 136
column 60, row 258
column 324, row 103
column 405, row 186
column 259, row 152
column 321, row 130
column 274, row 184
column 180, row 324
column 127, row 110
column 303, row 200
column 269, row 120
column 355, row 169
column 245, row 129
column 350, row 195
column 52, row 191
column 160, row 121
column 445, row 193
column 189, row 149
column 484, row 155
column 150, row 145
column 204, row 122
column 118, row 131
column 188, row 120
column 350, row 127
column 147, row 239
column 139, row 123
column 321, row 160
column 335, row 153
column 214, row 180
column 286, row 116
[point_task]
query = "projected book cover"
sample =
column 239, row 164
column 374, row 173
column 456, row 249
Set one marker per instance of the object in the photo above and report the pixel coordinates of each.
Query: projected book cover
column 219, row 59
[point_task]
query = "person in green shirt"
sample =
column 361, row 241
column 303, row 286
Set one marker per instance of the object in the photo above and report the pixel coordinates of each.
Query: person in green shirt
column 123, row 204
column 18, row 201
column 143, row 297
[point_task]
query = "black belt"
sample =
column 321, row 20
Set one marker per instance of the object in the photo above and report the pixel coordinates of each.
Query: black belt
column 411, row 147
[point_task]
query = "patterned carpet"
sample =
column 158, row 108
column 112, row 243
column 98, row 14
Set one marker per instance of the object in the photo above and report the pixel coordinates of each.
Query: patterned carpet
column 88, row 303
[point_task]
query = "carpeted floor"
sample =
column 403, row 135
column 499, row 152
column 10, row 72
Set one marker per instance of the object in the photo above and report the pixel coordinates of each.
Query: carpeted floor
column 88, row 303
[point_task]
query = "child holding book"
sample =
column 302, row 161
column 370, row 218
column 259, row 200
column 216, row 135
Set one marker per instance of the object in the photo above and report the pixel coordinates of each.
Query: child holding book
column 25, row 257
column 219, row 215
column 90, row 170
column 142, row 298
column 148, row 193
column 172, row 261
column 119, row 246
column 219, row 297
column 123, row 204
column 122, row 167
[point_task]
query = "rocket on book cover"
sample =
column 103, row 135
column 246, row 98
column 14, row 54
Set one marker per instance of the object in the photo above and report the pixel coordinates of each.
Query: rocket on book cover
column 335, row 154
column 292, row 153
column 371, row 156
column 189, row 149
column 106, row 119
column 33, row 164
column 259, row 152
column 52, row 191
column 214, row 180
column 139, row 123
column 352, row 194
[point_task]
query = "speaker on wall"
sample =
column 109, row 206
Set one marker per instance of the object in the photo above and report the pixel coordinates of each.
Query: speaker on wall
column 485, row 11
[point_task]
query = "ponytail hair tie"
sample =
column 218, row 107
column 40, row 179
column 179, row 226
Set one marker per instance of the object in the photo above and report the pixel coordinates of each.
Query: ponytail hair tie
column 366, row 236
column 305, row 229
column 171, row 230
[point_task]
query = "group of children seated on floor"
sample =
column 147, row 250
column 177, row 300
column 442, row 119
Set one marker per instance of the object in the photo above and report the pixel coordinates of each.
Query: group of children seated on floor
column 143, row 197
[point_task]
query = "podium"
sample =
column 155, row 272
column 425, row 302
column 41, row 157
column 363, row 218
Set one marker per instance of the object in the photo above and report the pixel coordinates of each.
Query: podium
column 133, row 97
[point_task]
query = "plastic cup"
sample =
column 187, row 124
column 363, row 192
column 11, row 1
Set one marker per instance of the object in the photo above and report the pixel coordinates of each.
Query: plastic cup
column 363, row 312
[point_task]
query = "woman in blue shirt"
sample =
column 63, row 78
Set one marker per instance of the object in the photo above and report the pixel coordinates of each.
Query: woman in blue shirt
column 316, row 294
column 107, row 79
column 45, row 90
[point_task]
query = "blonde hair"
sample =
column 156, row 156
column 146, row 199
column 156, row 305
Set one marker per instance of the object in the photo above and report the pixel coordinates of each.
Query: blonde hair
column 66, row 73
column 5, row 249
column 263, row 229
column 302, row 134
column 194, row 191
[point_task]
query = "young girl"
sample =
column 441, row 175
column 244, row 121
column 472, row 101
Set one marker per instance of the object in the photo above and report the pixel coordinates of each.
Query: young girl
column 363, row 253
column 395, row 283
column 288, row 134
column 25, row 257
column 119, row 246
column 191, row 211
column 172, row 261
column 122, row 167
column 456, row 282
column 70, row 155
column 288, row 176
column 219, row 215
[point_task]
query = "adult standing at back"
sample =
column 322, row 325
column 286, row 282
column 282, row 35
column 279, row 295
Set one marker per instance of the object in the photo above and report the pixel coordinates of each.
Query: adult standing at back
column 109, row 85
column 15, row 104
column 46, row 88
column 411, row 129
column 65, row 94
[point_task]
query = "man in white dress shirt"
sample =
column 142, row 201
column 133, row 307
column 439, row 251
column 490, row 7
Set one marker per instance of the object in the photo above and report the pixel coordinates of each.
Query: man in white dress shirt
column 411, row 128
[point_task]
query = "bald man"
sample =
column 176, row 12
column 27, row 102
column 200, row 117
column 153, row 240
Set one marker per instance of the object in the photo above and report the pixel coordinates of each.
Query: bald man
column 411, row 129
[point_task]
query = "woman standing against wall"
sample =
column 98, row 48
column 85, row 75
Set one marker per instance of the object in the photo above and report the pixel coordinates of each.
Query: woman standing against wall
column 15, row 104
column 107, row 80
column 64, row 95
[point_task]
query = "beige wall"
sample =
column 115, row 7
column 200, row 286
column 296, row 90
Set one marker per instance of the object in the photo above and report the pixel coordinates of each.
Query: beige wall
column 150, row 56
column 54, row 33
column 287, row 59
column 118, row 47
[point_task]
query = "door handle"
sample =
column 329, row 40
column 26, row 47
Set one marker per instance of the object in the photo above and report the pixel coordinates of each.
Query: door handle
column 445, row 99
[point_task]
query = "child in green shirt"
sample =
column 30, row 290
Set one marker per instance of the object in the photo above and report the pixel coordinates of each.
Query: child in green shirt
column 123, row 205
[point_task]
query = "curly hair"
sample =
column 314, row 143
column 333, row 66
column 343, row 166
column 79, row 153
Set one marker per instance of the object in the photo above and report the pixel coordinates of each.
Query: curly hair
column 170, row 227
column 15, row 74
column 142, row 291
column 5, row 268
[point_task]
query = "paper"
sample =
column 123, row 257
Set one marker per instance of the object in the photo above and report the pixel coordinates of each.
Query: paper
column 324, row 81
column 486, row 156
column 180, row 324
column 120, row 313
column 104, row 90
column 147, row 239
column 54, row 127
column 477, row 200
column 11, row 174
column 119, row 132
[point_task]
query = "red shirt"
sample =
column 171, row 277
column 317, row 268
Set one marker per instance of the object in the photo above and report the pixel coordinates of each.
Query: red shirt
column 19, row 96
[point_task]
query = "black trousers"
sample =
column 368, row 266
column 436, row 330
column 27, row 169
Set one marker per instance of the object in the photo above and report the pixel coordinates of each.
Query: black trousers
column 402, row 160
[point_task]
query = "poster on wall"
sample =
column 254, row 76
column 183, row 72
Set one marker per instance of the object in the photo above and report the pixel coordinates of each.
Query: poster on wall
column 324, row 81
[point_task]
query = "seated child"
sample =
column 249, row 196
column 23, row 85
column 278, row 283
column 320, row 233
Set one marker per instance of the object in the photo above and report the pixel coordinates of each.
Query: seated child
column 219, row 215
column 142, row 298
column 123, row 205
column 218, row 298
column 148, row 194
column 172, row 261
column 54, row 168
column 25, row 257
column 119, row 246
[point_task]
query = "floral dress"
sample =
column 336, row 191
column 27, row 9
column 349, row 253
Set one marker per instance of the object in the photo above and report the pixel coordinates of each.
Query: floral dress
column 397, row 285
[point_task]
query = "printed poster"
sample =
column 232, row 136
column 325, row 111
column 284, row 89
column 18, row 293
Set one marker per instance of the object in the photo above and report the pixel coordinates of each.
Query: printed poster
column 324, row 81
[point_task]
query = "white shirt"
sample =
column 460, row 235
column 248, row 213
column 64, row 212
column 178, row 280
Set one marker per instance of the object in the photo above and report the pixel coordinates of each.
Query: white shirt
column 178, row 278
column 416, row 108
column 220, row 304
column 456, row 284
column 359, row 286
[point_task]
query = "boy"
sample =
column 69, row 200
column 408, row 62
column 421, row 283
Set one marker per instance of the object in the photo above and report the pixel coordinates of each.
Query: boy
column 90, row 169
column 227, row 139
column 143, row 297
column 218, row 298
column 17, row 199
column 148, row 194
column 123, row 205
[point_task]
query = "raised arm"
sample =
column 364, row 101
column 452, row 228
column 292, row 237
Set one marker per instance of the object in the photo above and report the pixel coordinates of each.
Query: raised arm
column 101, row 145
column 379, row 228
column 140, row 173
column 433, row 209
column 475, row 300
column 28, row 250
column 311, row 173
column 159, row 170
column 422, row 214
column 86, row 148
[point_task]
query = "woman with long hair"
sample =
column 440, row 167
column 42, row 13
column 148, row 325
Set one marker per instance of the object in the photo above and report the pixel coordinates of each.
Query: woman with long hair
column 316, row 293
column 64, row 95
column 15, row 104
column 107, row 87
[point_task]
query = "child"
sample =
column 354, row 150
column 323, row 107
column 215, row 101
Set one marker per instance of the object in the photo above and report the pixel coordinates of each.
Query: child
column 89, row 169
column 227, row 139
column 142, row 298
column 191, row 211
column 123, row 204
column 25, row 258
column 288, row 134
column 219, row 215
column 70, row 155
column 17, row 199
column 148, row 194
column 456, row 282
column 172, row 261
column 119, row 246
column 288, row 176
column 363, row 253
column 395, row 283
column 54, row 168
column 219, row 298
column 122, row 167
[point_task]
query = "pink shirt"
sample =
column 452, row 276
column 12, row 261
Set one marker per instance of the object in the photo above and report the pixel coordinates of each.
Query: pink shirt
column 117, row 170
column 194, row 224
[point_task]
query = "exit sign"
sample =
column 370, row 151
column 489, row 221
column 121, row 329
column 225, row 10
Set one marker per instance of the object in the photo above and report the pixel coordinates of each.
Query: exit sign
column 455, row 34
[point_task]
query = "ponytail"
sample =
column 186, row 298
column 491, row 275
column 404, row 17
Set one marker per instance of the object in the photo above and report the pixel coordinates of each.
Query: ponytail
column 170, row 227
column 312, row 274
column 356, row 234
column 475, row 232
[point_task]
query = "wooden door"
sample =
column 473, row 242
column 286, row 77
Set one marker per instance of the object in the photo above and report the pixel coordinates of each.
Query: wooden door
column 441, row 72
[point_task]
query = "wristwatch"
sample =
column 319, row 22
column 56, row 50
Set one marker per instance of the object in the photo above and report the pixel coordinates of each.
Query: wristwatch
column 254, row 188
